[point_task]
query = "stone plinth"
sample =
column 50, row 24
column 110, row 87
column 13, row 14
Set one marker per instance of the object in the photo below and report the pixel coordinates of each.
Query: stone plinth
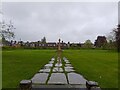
column 91, row 84
column 26, row 85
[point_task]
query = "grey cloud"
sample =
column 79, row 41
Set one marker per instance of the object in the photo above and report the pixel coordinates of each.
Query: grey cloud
column 75, row 22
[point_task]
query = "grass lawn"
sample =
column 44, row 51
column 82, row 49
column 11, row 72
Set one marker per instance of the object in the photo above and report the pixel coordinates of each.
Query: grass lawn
column 22, row 64
column 98, row 65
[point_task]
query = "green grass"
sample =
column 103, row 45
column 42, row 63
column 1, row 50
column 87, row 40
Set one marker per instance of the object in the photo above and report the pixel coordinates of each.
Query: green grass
column 97, row 65
column 23, row 64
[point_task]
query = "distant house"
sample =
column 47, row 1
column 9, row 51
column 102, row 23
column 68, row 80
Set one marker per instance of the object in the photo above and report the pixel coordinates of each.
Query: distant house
column 32, row 44
column 64, row 45
column 75, row 45
column 81, row 44
column 51, row 44
column 39, row 44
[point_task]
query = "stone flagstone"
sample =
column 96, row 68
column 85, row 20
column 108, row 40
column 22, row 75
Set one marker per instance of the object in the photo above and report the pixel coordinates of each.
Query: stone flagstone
column 57, row 69
column 67, row 62
column 58, row 64
column 40, row 78
column 57, row 78
column 53, row 59
column 51, row 62
column 45, row 70
column 64, row 58
column 48, row 65
column 68, row 65
column 75, row 78
column 69, row 70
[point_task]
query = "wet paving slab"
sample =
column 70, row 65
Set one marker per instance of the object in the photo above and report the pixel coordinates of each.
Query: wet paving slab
column 57, row 78
column 40, row 78
column 75, row 78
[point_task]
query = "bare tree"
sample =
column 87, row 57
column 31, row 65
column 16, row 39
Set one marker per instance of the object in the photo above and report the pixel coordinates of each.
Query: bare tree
column 117, row 35
column 6, row 30
column 111, row 36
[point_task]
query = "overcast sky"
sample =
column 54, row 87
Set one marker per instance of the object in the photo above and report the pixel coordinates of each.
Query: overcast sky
column 74, row 22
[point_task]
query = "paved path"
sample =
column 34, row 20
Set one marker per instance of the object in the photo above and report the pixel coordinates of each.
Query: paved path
column 59, row 74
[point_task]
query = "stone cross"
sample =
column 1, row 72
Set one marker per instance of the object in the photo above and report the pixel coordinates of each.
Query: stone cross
column 59, row 52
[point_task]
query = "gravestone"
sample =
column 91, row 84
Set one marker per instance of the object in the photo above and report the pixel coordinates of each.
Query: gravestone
column 40, row 78
column 68, row 65
column 69, row 70
column 75, row 78
column 67, row 62
column 26, row 85
column 48, row 65
column 64, row 58
column 58, row 64
column 57, row 69
column 57, row 78
column 51, row 62
column 45, row 70
column 53, row 59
